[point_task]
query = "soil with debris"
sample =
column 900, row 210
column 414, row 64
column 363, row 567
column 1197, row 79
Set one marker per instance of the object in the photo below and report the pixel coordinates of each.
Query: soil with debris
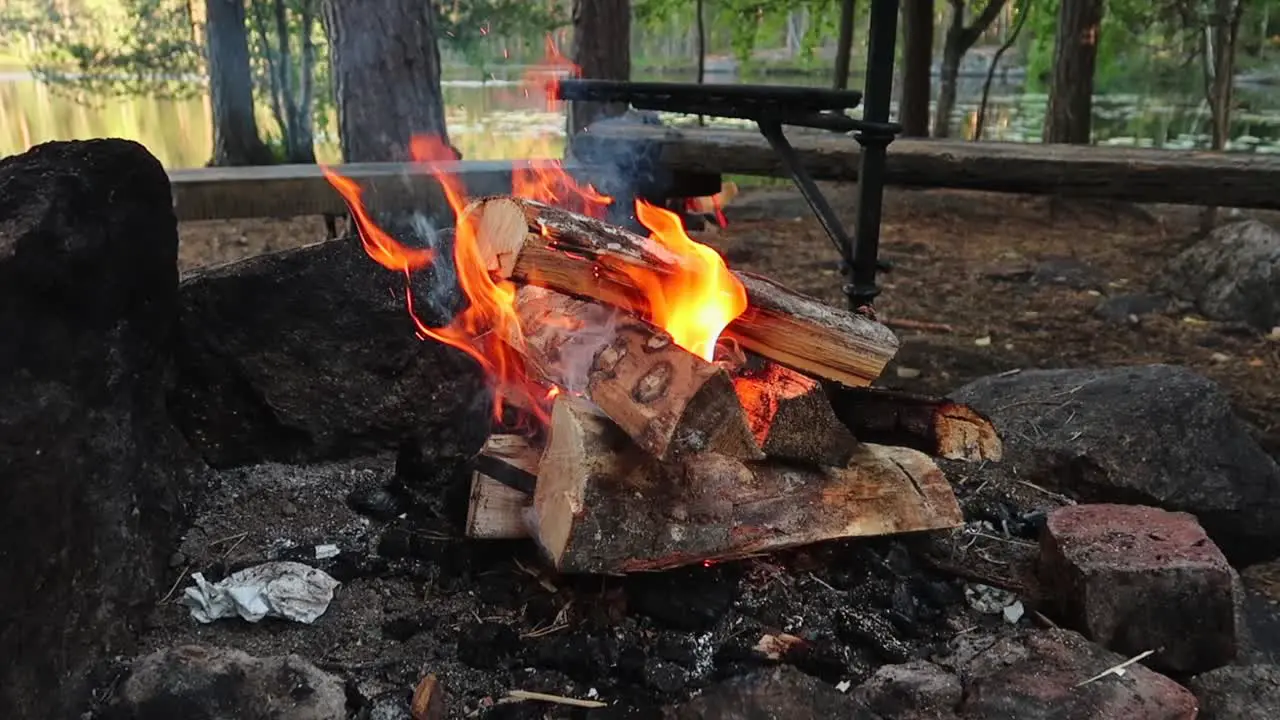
column 1019, row 282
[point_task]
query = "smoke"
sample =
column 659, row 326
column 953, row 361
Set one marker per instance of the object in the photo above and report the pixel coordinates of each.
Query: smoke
column 624, row 170
column 569, row 343
column 437, row 296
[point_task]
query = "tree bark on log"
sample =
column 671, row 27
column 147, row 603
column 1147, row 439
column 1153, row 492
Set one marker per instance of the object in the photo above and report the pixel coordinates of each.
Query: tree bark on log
column 668, row 400
column 936, row 426
column 602, row 505
column 534, row 243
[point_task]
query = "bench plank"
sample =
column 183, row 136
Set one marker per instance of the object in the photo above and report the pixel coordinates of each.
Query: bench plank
column 1133, row 174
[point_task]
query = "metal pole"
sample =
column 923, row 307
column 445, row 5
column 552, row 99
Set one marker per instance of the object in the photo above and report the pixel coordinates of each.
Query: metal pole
column 861, row 287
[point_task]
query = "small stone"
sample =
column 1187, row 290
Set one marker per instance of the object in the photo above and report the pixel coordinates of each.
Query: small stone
column 1238, row 692
column 1037, row 675
column 908, row 373
column 665, row 677
column 288, row 509
column 911, row 691
column 1135, row 578
column 983, row 341
column 1219, row 357
column 377, row 502
column 177, row 559
column 215, row 683
column 781, row 692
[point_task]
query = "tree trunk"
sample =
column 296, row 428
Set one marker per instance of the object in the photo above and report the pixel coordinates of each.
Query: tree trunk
column 959, row 39
column 602, row 51
column 917, row 59
column 386, row 76
column 844, row 45
column 1226, row 29
column 235, row 129
column 1068, row 118
column 952, row 53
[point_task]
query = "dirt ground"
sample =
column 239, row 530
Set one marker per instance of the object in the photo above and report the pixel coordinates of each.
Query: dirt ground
column 1017, row 280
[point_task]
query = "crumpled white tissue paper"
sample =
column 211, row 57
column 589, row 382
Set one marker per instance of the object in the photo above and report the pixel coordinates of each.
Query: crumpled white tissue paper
column 283, row 589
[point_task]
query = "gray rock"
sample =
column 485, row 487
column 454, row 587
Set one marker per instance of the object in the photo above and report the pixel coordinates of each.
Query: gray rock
column 1135, row 578
column 1233, row 274
column 918, row 690
column 1130, row 308
column 780, row 693
column 1156, row 435
column 310, row 354
column 1238, row 692
column 92, row 475
column 197, row 682
column 1036, row 675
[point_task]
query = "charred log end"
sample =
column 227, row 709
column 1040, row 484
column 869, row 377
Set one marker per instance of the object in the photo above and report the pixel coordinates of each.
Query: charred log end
column 715, row 421
column 964, row 434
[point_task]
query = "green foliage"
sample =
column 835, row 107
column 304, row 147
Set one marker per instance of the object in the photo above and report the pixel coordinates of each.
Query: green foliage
column 479, row 29
column 95, row 50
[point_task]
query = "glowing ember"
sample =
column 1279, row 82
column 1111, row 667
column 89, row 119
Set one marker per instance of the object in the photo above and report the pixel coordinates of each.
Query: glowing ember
column 695, row 303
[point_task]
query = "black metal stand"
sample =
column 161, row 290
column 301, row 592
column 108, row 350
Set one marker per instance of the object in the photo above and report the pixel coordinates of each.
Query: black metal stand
column 772, row 107
column 874, row 138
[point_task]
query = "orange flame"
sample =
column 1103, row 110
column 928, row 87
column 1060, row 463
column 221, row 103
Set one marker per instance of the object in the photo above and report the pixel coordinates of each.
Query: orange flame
column 697, row 302
column 693, row 303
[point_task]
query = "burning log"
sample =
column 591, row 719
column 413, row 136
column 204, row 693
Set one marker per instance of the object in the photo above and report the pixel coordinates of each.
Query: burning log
column 504, row 478
column 937, row 426
column 603, row 505
column 791, row 417
column 530, row 242
column 667, row 399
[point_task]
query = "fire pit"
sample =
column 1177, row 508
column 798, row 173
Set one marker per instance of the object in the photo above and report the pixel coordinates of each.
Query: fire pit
column 665, row 397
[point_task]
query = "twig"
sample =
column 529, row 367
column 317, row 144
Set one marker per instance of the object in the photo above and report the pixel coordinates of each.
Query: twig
column 1117, row 670
column 515, row 695
column 176, row 583
column 925, row 325
column 823, row 583
column 1050, row 493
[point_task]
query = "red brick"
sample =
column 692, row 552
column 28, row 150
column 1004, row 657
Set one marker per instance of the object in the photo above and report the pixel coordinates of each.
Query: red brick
column 1135, row 578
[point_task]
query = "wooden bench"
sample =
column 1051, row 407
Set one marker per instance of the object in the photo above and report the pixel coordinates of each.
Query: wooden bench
column 1131, row 174
column 283, row 191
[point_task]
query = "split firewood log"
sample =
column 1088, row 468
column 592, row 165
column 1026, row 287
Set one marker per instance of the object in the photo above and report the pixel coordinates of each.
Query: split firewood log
column 534, row 243
column 667, row 399
column 604, row 505
column 791, row 416
column 937, row 426
column 501, row 484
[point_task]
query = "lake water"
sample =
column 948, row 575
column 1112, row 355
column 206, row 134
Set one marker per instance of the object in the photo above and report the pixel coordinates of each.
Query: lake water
column 497, row 120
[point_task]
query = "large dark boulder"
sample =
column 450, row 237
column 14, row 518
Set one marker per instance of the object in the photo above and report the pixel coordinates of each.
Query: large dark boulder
column 1156, row 435
column 310, row 354
column 91, row 471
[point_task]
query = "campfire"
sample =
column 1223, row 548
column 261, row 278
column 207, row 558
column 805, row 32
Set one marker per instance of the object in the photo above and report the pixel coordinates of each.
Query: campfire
column 668, row 409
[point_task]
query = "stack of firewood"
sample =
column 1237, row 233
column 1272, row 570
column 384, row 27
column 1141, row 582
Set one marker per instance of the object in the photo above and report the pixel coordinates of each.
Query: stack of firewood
column 655, row 457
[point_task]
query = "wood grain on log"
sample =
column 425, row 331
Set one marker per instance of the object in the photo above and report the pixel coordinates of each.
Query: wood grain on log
column 667, row 399
column 501, row 484
column 580, row 256
column 602, row 505
column 936, row 426
column 1131, row 174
